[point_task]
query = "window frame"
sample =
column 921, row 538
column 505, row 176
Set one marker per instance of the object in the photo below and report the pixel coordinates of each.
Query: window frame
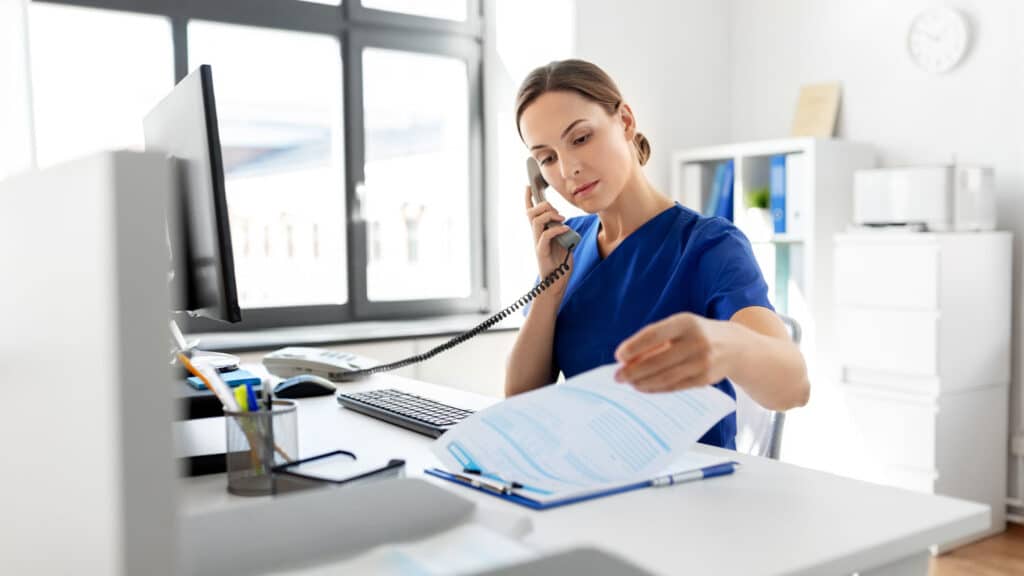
column 355, row 28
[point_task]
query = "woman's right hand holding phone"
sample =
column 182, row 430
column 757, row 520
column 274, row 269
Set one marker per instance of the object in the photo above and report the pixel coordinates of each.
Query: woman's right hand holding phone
column 550, row 254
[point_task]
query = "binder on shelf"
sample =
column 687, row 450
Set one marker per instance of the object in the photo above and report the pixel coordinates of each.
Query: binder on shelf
column 796, row 189
column 531, row 498
column 777, row 192
column 723, row 207
column 716, row 191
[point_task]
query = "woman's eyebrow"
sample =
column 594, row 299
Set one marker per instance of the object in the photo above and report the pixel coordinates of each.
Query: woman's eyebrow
column 564, row 132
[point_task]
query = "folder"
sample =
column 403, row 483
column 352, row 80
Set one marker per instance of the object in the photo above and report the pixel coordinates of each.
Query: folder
column 724, row 209
column 521, row 494
column 777, row 194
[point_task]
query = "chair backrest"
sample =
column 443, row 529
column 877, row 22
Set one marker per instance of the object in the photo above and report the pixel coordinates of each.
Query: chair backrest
column 759, row 430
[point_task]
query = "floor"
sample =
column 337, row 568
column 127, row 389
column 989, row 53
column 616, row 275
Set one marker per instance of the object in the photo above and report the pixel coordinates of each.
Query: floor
column 996, row 556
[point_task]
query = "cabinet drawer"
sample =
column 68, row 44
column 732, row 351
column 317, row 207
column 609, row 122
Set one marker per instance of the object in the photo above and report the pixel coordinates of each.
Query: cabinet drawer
column 886, row 275
column 893, row 430
column 897, row 341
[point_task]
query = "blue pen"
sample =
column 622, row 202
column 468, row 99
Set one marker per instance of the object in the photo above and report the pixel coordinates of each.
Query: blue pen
column 250, row 396
column 709, row 472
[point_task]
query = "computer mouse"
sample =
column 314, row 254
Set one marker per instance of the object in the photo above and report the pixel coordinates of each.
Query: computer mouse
column 304, row 386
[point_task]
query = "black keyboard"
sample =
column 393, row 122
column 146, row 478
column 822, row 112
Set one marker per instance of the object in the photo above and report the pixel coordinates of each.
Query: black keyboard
column 406, row 410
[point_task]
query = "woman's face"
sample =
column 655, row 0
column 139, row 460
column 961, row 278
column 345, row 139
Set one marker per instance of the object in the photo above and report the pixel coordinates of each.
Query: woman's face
column 584, row 153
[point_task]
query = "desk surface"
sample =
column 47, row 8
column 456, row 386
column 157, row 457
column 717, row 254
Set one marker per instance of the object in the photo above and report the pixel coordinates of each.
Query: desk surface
column 767, row 518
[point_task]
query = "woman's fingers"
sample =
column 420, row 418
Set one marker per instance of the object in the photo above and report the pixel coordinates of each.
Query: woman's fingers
column 539, row 222
column 688, row 374
column 544, row 242
column 694, row 382
column 660, row 358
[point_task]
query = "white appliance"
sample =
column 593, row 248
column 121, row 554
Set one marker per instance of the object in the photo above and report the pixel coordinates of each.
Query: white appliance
column 938, row 198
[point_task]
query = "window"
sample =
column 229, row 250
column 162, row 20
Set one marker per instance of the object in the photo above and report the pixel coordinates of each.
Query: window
column 350, row 131
column 417, row 176
column 283, row 149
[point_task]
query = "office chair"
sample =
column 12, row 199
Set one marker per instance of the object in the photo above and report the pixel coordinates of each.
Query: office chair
column 759, row 430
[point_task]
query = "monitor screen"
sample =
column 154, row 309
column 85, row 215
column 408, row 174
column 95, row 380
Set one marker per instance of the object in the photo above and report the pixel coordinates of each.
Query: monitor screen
column 184, row 126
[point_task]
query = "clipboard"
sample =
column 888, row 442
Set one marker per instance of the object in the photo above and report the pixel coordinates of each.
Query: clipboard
column 514, row 492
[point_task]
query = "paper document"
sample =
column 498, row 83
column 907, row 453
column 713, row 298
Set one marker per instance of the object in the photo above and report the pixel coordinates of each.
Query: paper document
column 587, row 433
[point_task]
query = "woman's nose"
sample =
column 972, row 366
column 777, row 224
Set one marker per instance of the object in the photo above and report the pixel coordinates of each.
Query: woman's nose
column 570, row 168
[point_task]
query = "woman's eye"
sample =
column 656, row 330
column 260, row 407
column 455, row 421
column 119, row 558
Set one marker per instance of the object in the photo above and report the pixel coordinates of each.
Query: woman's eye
column 546, row 159
column 581, row 139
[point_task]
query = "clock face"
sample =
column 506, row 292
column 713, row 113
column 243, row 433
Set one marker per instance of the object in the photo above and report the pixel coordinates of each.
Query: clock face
column 937, row 39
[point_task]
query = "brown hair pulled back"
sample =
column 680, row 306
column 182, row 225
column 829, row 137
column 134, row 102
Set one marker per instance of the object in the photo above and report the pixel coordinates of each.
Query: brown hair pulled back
column 583, row 78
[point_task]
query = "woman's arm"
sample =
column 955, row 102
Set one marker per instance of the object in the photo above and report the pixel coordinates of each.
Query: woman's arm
column 767, row 364
column 685, row 350
column 531, row 363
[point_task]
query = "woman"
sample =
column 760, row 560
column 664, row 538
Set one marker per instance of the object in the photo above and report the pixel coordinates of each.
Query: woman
column 676, row 298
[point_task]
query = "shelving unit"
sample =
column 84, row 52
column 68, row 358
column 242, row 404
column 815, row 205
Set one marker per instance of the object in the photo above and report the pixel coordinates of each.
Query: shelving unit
column 797, row 267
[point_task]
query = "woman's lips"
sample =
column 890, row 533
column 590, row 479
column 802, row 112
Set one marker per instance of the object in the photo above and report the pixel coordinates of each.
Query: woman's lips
column 585, row 189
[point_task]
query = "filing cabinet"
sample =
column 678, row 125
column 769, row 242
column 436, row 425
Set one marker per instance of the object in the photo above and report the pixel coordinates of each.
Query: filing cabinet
column 923, row 324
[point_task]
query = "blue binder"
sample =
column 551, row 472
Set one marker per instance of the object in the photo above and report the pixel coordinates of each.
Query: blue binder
column 519, row 494
column 777, row 192
column 716, row 190
column 724, row 207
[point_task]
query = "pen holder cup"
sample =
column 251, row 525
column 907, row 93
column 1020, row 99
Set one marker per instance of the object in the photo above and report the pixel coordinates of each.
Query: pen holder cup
column 258, row 441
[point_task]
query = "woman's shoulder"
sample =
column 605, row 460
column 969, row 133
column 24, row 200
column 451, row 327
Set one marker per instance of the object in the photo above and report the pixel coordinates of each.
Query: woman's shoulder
column 699, row 230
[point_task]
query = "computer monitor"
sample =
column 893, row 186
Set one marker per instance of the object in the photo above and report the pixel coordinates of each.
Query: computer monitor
column 184, row 126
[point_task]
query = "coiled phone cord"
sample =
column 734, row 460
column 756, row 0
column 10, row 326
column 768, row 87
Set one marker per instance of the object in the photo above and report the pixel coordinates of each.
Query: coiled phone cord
column 541, row 286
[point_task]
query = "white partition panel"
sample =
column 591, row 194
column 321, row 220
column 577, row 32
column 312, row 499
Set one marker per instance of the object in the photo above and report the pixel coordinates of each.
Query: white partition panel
column 88, row 478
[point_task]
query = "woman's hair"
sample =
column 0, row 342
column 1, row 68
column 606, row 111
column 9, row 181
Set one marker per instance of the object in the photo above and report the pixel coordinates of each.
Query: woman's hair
column 583, row 78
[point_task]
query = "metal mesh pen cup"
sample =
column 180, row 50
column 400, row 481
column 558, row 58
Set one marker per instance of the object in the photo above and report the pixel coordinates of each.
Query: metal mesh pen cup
column 258, row 441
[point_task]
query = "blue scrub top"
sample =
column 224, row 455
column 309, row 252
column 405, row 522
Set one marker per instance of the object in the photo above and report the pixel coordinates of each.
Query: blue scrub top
column 678, row 261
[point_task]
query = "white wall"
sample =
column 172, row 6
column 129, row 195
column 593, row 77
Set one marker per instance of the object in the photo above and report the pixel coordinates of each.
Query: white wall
column 671, row 62
column 975, row 113
column 17, row 152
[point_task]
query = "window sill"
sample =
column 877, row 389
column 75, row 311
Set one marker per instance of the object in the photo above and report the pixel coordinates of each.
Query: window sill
column 348, row 333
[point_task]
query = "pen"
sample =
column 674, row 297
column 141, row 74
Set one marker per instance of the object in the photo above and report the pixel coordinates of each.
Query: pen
column 476, row 471
column 486, row 484
column 250, row 397
column 709, row 472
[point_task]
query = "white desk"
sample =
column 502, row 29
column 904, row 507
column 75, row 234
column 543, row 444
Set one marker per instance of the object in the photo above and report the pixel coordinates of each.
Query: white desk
column 767, row 518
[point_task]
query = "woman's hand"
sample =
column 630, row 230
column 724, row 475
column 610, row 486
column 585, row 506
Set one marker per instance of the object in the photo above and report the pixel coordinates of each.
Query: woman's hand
column 549, row 254
column 681, row 351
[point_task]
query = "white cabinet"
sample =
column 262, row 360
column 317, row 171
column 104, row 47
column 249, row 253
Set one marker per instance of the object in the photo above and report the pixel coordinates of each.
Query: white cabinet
column 923, row 335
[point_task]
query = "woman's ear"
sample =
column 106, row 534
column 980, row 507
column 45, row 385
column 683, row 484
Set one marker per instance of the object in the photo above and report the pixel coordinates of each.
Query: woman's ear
column 628, row 121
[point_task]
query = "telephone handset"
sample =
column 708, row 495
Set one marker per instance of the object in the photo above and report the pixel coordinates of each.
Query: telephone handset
column 568, row 240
